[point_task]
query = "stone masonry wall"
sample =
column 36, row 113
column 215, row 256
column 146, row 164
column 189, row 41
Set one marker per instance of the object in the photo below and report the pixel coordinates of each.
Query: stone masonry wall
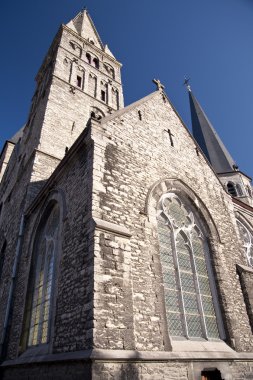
column 69, row 106
column 140, row 371
column 4, row 159
column 53, row 371
column 135, row 152
column 72, row 322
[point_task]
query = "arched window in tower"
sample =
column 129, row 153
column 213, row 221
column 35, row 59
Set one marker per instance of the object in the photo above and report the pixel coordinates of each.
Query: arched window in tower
column 42, row 277
column 190, row 295
column 115, row 98
column 88, row 58
column 76, row 47
column 249, row 191
column 92, row 85
column 231, row 189
column 96, row 63
column 239, row 190
column 104, row 91
column 247, row 241
column 80, row 76
column 110, row 70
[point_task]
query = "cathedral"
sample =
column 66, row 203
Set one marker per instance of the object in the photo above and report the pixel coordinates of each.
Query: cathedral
column 126, row 242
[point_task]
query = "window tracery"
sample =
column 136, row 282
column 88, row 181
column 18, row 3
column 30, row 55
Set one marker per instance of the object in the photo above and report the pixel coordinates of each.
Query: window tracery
column 247, row 239
column 190, row 310
column 44, row 267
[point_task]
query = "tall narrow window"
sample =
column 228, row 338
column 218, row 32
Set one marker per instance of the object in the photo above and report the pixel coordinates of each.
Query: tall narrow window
column 2, row 257
column 184, row 250
column 88, row 57
column 45, row 250
column 247, row 240
column 103, row 96
column 79, row 81
column 96, row 63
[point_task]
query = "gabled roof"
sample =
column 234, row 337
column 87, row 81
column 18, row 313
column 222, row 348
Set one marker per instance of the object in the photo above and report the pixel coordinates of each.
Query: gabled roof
column 131, row 106
column 83, row 25
column 208, row 139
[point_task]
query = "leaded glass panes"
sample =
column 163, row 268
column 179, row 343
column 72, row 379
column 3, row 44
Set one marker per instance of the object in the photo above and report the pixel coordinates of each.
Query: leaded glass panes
column 45, row 251
column 247, row 239
column 188, row 298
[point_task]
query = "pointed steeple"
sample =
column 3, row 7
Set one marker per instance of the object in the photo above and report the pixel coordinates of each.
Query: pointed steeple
column 208, row 139
column 83, row 25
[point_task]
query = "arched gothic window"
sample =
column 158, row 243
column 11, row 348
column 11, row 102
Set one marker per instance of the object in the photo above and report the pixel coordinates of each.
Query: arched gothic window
column 231, row 189
column 247, row 239
column 239, row 190
column 189, row 294
column 96, row 63
column 88, row 57
column 44, row 256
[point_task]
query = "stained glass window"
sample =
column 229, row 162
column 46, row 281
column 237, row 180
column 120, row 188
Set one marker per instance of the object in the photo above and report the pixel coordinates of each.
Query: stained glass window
column 183, row 247
column 247, row 239
column 45, row 253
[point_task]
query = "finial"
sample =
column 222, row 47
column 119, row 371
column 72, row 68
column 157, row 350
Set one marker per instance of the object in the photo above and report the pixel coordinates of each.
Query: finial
column 159, row 85
column 84, row 8
column 186, row 84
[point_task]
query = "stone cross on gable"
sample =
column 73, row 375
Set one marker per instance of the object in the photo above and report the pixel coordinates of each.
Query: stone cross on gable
column 159, row 85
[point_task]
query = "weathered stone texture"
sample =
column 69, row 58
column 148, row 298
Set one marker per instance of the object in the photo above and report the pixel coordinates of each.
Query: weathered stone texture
column 137, row 154
column 140, row 371
column 54, row 371
column 5, row 157
column 73, row 315
column 242, row 371
column 108, row 283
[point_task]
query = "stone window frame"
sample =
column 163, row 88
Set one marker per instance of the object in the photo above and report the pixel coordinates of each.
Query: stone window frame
column 231, row 188
column 45, row 253
column 214, row 241
column 191, row 236
column 76, row 47
column 55, row 196
column 249, row 229
column 109, row 70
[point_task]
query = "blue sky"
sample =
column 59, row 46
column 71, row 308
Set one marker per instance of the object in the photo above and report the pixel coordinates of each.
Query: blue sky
column 208, row 40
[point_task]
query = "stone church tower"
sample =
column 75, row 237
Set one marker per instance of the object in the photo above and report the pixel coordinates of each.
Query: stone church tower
column 126, row 245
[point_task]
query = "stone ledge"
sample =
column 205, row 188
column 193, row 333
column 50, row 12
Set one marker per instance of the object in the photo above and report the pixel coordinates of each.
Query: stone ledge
column 243, row 268
column 133, row 356
column 111, row 227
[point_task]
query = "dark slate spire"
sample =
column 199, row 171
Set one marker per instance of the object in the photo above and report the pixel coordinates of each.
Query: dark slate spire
column 208, row 139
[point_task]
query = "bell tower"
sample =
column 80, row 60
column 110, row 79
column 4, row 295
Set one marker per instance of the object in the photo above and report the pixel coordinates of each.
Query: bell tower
column 79, row 78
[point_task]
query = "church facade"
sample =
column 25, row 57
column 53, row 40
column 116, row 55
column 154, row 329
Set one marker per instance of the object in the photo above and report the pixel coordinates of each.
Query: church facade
column 126, row 244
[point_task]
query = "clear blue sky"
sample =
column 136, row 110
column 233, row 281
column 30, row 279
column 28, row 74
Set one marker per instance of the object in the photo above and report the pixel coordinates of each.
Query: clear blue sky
column 208, row 40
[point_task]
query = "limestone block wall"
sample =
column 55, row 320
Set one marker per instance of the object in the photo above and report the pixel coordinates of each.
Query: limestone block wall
column 10, row 219
column 6, row 154
column 69, row 104
column 72, row 318
column 74, row 49
column 140, row 371
column 134, row 153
